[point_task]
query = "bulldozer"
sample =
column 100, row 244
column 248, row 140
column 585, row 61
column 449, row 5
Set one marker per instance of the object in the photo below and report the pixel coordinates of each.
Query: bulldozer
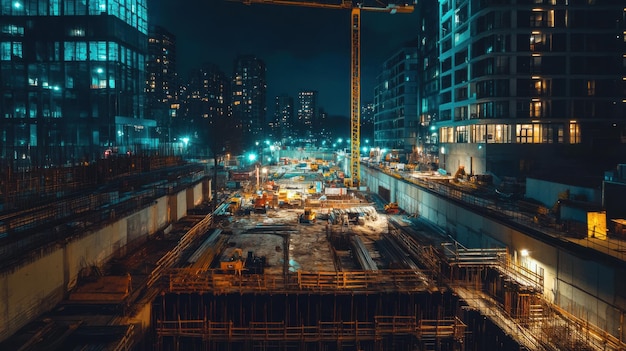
column 308, row 216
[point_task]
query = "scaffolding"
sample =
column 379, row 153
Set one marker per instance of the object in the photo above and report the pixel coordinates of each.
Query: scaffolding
column 325, row 320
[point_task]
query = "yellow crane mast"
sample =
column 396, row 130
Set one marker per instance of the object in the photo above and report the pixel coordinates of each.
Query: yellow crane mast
column 355, row 78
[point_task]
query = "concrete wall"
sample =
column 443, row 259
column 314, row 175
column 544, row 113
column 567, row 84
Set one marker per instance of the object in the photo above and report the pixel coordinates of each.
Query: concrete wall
column 582, row 282
column 30, row 290
column 548, row 192
column 195, row 195
column 471, row 156
column 39, row 284
column 179, row 205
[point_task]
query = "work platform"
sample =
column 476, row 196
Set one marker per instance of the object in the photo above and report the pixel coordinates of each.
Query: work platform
column 356, row 282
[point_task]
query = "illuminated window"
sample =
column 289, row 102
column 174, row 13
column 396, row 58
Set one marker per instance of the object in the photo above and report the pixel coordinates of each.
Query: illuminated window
column 113, row 52
column 75, row 51
column 5, row 51
column 574, row 133
column 498, row 134
column 535, row 109
column 591, row 87
column 98, row 51
column 12, row 29
column 479, row 133
column 447, row 135
column 540, row 18
column 524, row 133
column 77, row 32
column 537, row 41
column 462, row 134
column 10, row 51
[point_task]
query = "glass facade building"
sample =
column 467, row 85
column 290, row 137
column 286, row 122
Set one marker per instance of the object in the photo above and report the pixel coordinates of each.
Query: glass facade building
column 531, row 86
column 72, row 76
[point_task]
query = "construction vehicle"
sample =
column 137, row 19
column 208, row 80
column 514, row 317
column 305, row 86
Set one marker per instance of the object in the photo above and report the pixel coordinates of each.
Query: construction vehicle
column 295, row 201
column 260, row 203
column 312, row 189
column 235, row 205
column 234, row 262
column 355, row 77
column 282, row 197
column 392, row 208
column 308, row 216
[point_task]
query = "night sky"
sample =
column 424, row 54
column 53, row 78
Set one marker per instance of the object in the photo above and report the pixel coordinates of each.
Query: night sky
column 303, row 48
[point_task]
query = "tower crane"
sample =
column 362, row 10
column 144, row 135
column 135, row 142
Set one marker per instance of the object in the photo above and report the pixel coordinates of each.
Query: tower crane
column 355, row 67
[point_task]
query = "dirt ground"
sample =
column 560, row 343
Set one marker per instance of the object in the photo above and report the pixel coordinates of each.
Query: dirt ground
column 309, row 245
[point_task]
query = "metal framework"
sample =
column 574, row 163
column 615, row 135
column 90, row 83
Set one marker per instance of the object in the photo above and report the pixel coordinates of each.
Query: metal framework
column 355, row 71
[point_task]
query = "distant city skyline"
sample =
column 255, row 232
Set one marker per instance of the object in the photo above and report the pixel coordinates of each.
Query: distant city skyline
column 304, row 48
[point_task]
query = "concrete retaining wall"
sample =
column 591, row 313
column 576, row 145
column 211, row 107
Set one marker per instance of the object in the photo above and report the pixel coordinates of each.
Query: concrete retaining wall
column 36, row 287
column 587, row 286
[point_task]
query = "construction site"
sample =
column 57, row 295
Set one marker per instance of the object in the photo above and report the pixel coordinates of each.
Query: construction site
column 334, row 272
column 289, row 258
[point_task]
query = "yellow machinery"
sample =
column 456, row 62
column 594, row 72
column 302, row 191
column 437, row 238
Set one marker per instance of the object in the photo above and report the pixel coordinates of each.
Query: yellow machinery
column 355, row 81
column 392, row 208
column 234, row 263
column 308, row 216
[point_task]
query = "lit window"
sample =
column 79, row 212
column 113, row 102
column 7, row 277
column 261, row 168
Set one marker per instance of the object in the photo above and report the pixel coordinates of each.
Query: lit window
column 77, row 32
column 12, row 29
column 524, row 133
column 574, row 133
column 535, row 109
column 537, row 41
column 591, row 87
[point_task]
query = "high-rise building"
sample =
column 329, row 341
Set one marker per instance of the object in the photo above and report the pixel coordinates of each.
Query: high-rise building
column 249, row 89
column 205, row 107
column 428, row 81
column 532, row 87
column 284, row 118
column 395, row 101
column 161, row 89
column 73, row 80
column 367, row 124
column 307, row 113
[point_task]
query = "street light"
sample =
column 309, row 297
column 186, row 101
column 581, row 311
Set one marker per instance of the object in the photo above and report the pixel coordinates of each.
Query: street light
column 258, row 181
